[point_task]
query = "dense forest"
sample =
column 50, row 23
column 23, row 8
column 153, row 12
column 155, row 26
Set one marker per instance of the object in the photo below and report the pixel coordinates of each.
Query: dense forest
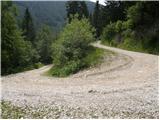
column 125, row 24
column 131, row 25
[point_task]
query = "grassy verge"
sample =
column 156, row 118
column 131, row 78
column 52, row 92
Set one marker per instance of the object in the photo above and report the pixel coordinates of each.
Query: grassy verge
column 93, row 58
column 127, row 45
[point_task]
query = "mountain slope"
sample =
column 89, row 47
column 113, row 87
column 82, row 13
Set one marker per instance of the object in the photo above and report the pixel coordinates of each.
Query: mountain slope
column 52, row 13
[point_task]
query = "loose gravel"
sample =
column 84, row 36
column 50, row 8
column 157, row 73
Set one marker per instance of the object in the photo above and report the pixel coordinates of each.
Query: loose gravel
column 125, row 85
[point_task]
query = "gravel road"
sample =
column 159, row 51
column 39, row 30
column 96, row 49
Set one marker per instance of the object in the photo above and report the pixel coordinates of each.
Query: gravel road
column 125, row 85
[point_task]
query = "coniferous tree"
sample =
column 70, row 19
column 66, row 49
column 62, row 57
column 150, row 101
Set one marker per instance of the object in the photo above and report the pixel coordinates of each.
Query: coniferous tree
column 83, row 9
column 72, row 9
column 16, row 53
column 115, row 10
column 44, row 41
column 76, row 7
column 28, row 27
column 134, row 22
column 90, row 19
column 96, row 18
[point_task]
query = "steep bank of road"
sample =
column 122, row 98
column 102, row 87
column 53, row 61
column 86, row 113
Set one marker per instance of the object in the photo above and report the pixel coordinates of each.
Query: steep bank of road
column 124, row 86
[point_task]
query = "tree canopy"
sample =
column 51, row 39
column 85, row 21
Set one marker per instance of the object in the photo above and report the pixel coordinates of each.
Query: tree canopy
column 76, row 7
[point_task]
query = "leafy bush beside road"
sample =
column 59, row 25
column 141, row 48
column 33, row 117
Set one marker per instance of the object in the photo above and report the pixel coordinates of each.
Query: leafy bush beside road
column 72, row 50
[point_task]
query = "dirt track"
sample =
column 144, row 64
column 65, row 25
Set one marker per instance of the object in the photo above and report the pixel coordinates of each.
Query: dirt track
column 124, row 86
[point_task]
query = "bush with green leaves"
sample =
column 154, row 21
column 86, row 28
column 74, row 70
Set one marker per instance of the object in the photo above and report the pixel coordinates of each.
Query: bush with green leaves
column 72, row 46
column 109, row 32
column 112, row 33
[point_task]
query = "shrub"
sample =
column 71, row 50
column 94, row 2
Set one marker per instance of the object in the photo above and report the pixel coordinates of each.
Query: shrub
column 93, row 58
column 38, row 65
column 112, row 33
column 119, row 26
column 131, row 44
column 109, row 32
column 71, row 47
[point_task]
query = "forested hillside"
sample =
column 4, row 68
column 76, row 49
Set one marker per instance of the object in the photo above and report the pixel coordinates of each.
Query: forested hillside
column 51, row 13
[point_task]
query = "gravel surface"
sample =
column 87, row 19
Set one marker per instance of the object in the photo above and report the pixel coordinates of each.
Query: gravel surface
column 125, row 85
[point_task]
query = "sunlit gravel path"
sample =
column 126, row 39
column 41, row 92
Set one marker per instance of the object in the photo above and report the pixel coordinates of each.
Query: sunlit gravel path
column 124, row 86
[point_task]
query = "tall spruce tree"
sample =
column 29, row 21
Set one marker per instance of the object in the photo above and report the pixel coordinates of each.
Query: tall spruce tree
column 76, row 7
column 97, row 18
column 15, row 53
column 44, row 39
column 115, row 10
column 28, row 27
column 90, row 19
column 83, row 9
column 72, row 9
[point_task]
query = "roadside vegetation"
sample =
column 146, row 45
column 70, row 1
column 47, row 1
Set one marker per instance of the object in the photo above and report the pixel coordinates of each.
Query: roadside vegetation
column 138, row 31
column 73, row 51
column 23, row 47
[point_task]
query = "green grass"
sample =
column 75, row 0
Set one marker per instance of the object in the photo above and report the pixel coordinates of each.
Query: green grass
column 132, row 45
column 93, row 58
column 127, row 45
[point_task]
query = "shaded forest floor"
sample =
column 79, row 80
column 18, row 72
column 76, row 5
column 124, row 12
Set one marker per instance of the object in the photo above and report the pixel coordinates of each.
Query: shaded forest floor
column 125, row 85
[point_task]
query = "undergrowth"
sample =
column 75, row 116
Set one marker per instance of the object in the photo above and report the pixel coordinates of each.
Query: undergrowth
column 94, row 57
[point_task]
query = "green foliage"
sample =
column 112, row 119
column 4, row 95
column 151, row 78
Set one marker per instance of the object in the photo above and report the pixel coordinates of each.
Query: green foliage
column 71, row 47
column 114, row 11
column 131, row 44
column 69, row 68
column 44, row 40
column 97, row 19
column 93, row 58
column 119, row 26
column 73, row 42
column 71, row 8
column 83, row 9
column 109, row 32
column 143, row 18
column 140, row 29
column 76, row 7
column 17, row 54
column 38, row 65
column 28, row 27
column 15, row 50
